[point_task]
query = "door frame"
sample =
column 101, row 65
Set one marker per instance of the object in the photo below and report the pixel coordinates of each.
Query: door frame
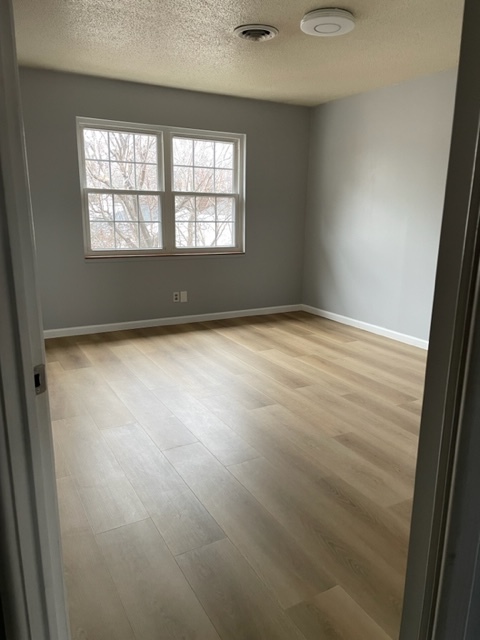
column 439, row 508
column 32, row 590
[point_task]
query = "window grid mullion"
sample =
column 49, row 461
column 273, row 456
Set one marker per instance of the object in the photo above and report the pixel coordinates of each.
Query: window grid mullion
column 169, row 219
column 205, row 194
column 124, row 192
column 109, row 158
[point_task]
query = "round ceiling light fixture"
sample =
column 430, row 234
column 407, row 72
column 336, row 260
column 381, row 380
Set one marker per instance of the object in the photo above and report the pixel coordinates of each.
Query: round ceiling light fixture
column 327, row 22
column 256, row 32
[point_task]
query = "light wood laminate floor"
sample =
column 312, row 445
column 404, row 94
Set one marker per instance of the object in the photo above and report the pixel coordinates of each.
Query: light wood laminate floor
column 248, row 479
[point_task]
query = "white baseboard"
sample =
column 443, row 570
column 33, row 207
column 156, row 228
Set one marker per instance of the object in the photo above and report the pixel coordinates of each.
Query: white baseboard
column 372, row 328
column 158, row 322
column 240, row 313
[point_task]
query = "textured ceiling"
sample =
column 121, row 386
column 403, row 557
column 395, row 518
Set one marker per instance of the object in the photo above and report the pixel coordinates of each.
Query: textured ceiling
column 189, row 44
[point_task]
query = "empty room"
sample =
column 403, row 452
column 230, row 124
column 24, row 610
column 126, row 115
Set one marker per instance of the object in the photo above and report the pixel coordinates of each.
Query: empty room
column 237, row 211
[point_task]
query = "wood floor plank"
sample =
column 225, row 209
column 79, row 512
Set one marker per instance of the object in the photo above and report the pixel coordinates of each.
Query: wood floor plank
column 274, row 555
column 144, row 368
column 392, row 377
column 168, row 432
column 323, row 325
column 395, row 363
column 325, row 534
column 63, row 401
column 403, row 510
column 382, row 455
column 157, row 598
column 73, row 519
column 182, row 520
column 106, row 494
column 219, row 439
column 334, row 458
column 295, row 364
column 147, row 409
column 271, row 438
column 88, row 458
column 361, row 418
column 335, row 370
column 306, row 408
column 257, row 363
column 94, row 606
column 234, row 598
column 112, row 505
column 68, row 354
column 398, row 415
column 297, row 494
column 413, row 407
column 97, row 347
column 334, row 615
column 61, row 466
column 96, row 396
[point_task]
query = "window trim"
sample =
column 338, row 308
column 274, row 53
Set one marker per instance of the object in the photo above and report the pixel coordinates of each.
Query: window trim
column 165, row 135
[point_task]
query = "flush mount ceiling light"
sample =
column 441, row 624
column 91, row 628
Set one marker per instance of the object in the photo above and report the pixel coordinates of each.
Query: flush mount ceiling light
column 327, row 22
column 256, row 32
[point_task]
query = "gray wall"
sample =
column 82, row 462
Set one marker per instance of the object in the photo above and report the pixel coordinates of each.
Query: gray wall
column 78, row 292
column 377, row 176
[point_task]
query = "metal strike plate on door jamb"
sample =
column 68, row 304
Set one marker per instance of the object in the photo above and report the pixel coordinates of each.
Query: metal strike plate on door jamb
column 39, row 378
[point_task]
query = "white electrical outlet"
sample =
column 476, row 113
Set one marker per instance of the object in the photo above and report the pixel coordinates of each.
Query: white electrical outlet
column 176, row 296
column 183, row 296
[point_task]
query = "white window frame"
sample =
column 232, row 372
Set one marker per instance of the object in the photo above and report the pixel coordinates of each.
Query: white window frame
column 165, row 135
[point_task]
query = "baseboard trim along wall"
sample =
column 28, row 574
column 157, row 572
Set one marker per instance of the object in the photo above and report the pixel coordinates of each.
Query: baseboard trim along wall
column 372, row 328
column 158, row 322
column 240, row 313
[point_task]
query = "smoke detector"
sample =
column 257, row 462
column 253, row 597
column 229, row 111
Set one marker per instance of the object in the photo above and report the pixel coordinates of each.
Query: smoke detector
column 327, row 22
column 256, row 32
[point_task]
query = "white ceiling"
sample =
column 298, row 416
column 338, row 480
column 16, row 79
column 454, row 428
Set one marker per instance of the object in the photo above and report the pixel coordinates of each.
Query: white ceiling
column 189, row 44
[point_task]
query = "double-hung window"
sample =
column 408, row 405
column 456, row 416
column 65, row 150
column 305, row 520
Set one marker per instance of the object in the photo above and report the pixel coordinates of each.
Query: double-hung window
column 160, row 190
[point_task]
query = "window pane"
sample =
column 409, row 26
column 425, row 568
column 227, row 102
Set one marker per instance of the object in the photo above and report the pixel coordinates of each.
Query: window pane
column 205, row 209
column 225, row 235
column 185, row 234
column 98, row 174
column 204, row 153
column 121, row 146
column 182, row 179
column 205, row 234
column 149, row 208
column 184, row 209
column 204, row 180
column 102, row 236
column 125, row 207
column 100, row 206
column 147, row 177
column 225, row 209
column 224, row 155
column 126, row 235
column 150, row 237
column 146, row 148
column 224, row 180
column 182, row 151
column 123, row 175
column 95, row 144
